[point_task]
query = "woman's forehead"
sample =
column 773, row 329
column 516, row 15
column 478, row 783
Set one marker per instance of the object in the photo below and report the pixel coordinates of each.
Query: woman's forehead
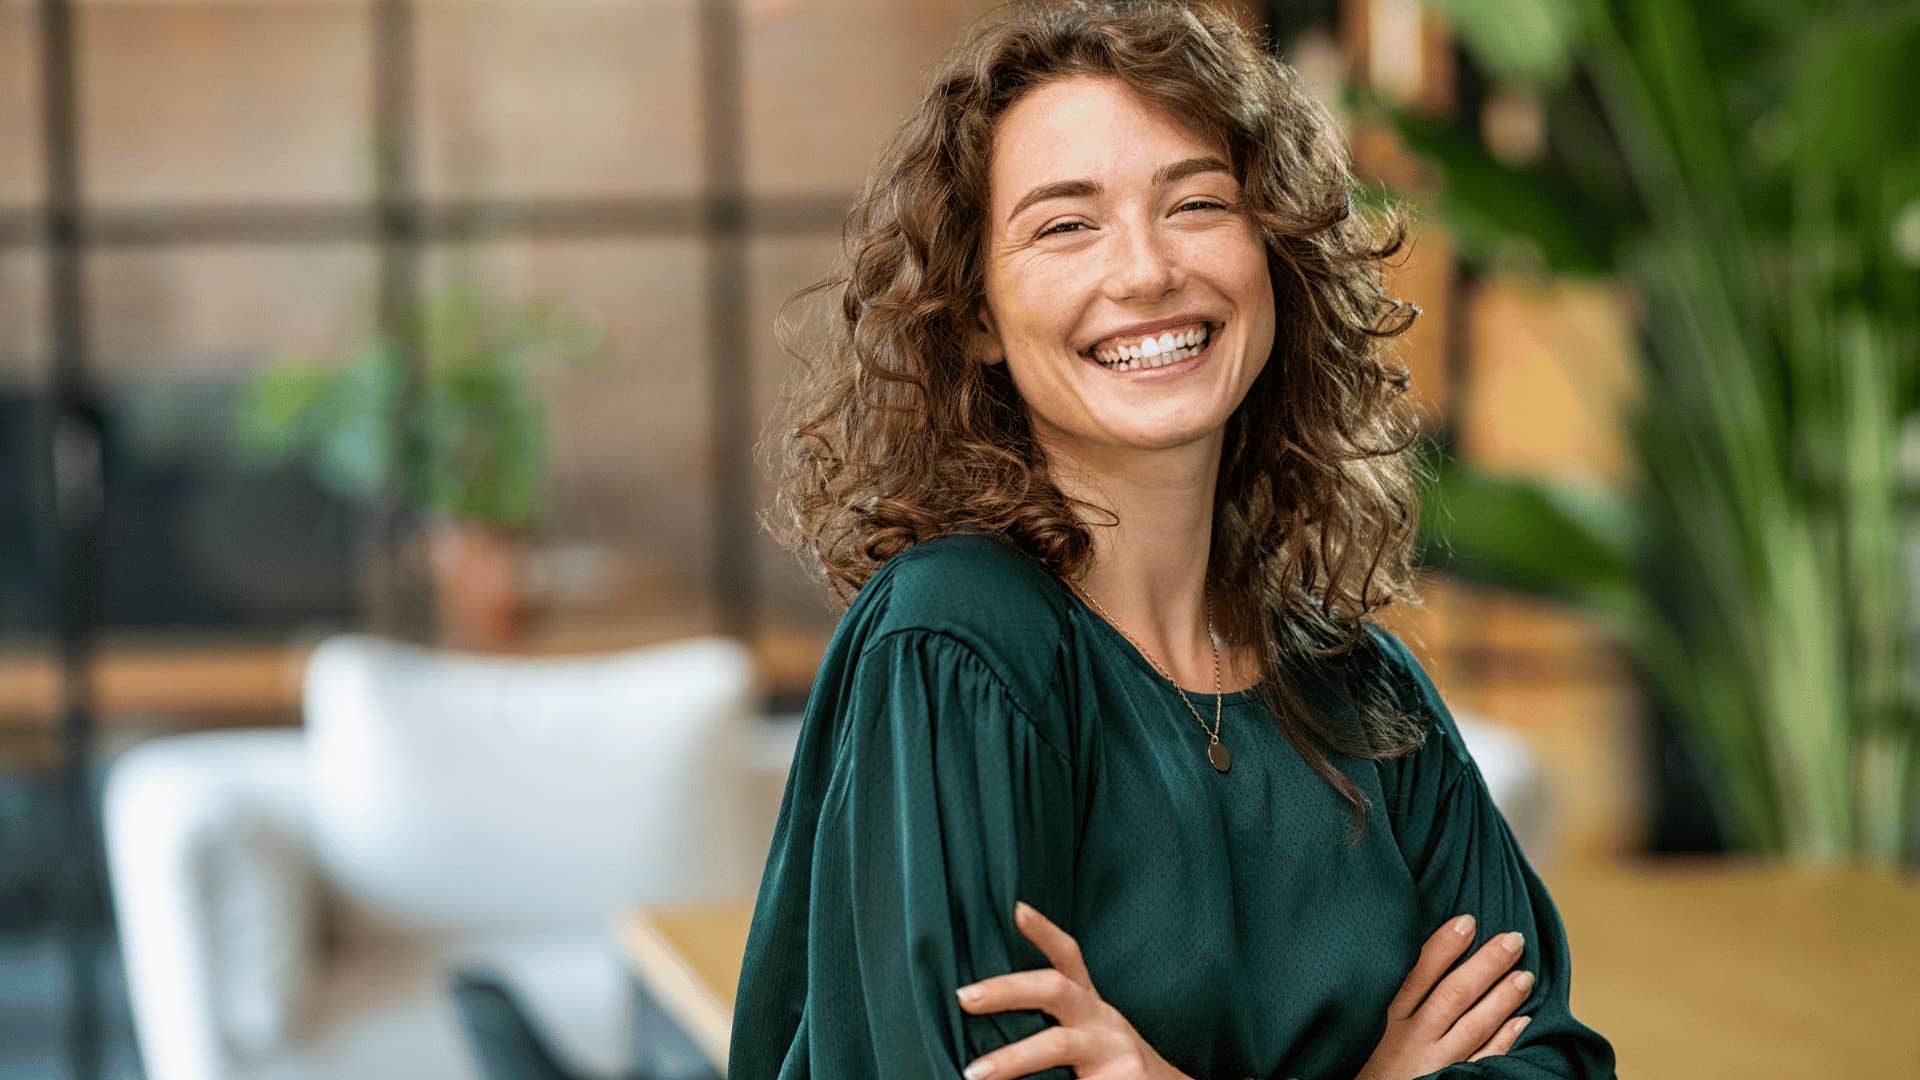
column 1089, row 131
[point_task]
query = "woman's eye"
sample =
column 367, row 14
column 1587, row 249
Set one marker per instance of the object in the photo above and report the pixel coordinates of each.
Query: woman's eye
column 1060, row 227
column 1207, row 204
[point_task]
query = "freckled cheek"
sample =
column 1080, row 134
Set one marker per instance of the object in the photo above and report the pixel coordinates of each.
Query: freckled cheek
column 1045, row 323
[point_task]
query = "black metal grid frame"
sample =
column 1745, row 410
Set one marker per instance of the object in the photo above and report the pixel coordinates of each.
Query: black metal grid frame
column 401, row 222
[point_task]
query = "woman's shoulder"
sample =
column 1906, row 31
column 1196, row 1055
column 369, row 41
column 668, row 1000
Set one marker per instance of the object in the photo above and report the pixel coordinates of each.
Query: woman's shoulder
column 979, row 593
column 1417, row 694
column 971, row 582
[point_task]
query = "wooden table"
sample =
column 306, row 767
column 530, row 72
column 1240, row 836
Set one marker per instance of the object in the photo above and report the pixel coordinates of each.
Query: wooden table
column 1691, row 968
column 687, row 962
column 1737, row 968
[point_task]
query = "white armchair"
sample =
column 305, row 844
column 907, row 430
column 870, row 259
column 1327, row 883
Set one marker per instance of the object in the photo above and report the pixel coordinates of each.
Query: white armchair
column 289, row 901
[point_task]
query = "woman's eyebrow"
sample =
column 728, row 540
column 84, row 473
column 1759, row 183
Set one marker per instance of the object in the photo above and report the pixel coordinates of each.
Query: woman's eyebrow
column 1167, row 174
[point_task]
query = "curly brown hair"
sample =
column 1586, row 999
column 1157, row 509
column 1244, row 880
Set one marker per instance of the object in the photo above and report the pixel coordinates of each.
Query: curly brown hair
column 891, row 434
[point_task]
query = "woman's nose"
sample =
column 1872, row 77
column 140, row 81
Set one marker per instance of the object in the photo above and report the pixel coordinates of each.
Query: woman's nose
column 1143, row 266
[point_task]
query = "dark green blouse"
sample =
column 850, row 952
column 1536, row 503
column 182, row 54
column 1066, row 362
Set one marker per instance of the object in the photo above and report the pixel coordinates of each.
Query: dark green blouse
column 977, row 735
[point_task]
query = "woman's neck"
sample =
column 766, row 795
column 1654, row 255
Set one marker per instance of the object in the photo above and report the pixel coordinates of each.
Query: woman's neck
column 1149, row 570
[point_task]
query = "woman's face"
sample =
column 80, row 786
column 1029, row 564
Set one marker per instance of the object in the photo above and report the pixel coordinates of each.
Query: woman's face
column 1108, row 213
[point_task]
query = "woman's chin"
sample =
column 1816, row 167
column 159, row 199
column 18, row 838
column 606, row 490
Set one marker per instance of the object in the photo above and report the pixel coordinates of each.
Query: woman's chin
column 1168, row 420
column 1133, row 434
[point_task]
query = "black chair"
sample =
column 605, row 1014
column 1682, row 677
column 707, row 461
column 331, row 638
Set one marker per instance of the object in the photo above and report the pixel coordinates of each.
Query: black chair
column 508, row 1045
column 499, row 1030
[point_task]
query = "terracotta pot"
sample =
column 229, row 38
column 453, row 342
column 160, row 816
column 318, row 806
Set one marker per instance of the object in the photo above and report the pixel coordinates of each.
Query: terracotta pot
column 480, row 585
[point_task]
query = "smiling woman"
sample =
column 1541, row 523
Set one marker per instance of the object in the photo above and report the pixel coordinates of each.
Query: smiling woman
column 1106, row 457
column 1066, row 261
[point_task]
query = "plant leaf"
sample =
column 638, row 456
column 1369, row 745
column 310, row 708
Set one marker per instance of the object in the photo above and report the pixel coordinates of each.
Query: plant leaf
column 1548, row 538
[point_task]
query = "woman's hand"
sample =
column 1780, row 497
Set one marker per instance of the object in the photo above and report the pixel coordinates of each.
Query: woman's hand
column 1092, row 1037
column 1427, row 1032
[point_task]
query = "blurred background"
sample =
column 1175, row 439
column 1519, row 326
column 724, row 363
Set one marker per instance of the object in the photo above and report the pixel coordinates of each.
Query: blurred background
column 394, row 680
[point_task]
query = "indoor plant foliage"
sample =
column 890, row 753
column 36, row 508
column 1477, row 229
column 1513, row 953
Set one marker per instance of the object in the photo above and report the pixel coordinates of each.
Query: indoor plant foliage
column 479, row 432
column 1750, row 171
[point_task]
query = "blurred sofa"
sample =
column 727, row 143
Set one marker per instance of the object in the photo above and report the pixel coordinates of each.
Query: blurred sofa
column 290, row 901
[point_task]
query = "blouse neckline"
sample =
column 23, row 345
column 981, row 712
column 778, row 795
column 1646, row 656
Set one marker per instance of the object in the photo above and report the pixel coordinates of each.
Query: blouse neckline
column 1118, row 642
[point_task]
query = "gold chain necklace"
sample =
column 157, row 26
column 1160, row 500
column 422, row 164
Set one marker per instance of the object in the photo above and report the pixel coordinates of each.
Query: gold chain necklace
column 1216, row 750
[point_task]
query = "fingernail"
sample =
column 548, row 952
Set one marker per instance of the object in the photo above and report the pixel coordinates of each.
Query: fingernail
column 1524, row 1021
column 1513, row 940
column 1524, row 980
column 1020, row 907
column 979, row 1070
column 1463, row 925
column 968, row 994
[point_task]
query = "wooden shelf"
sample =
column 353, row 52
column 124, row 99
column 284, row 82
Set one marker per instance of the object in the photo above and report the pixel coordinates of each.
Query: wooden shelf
column 161, row 680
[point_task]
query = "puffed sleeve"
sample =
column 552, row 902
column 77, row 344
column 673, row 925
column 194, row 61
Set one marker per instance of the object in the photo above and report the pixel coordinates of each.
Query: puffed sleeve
column 947, row 802
column 1464, row 859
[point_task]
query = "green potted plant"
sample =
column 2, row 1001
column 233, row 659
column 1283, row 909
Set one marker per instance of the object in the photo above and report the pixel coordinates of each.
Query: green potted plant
column 1750, row 172
column 477, row 475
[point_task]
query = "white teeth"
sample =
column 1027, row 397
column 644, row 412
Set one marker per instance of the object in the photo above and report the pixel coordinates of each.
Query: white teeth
column 1146, row 352
column 1140, row 360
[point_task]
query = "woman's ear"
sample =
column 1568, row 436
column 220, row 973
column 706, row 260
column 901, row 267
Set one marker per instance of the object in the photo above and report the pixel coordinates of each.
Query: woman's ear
column 983, row 341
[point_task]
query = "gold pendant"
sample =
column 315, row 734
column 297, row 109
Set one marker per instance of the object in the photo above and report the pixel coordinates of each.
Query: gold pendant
column 1217, row 753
